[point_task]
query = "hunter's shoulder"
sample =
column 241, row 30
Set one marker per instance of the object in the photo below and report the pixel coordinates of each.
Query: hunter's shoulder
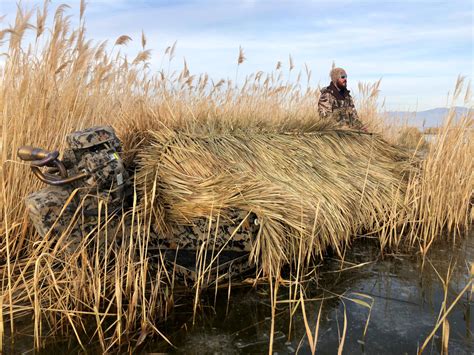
column 326, row 90
column 326, row 93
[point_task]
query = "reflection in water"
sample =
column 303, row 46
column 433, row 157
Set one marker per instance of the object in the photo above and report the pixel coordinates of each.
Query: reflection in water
column 406, row 300
column 406, row 295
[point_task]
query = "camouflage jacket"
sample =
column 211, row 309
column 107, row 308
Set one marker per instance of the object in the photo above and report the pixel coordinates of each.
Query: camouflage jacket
column 338, row 105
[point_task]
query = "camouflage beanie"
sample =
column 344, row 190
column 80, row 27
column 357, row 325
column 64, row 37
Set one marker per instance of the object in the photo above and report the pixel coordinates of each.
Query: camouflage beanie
column 336, row 74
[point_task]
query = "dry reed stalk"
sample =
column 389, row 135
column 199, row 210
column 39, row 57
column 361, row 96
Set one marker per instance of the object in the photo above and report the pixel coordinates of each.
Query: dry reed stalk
column 439, row 196
column 342, row 338
column 312, row 338
column 1, row 324
column 445, row 282
column 441, row 321
column 274, row 286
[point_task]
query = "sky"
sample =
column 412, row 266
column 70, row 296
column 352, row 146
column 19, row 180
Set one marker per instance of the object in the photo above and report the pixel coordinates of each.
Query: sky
column 418, row 48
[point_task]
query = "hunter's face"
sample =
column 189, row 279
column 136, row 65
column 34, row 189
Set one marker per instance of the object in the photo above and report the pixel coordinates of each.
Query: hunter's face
column 342, row 81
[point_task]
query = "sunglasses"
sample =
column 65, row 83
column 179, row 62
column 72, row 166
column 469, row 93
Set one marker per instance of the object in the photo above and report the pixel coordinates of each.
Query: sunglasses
column 343, row 76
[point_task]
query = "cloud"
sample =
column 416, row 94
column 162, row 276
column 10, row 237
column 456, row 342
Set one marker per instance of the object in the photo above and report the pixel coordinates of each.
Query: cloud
column 418, row 47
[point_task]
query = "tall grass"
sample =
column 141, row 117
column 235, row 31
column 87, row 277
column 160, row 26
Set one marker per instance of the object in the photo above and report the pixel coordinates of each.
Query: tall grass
column 54, row 80
column 439, row 196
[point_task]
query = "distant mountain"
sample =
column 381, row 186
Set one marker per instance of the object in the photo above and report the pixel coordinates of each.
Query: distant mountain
column 420, row 119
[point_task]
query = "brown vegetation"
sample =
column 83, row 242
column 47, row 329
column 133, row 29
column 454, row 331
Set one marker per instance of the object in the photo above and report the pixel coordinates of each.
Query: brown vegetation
column 310, row 191
column 411, row 138
column 61, row 82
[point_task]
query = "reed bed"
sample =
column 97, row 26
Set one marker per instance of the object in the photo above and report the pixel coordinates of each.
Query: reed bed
column 312, row 185
column 439, row 196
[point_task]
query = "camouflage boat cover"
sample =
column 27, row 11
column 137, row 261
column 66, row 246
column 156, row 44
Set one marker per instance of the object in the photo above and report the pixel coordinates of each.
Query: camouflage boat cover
column 90, row 137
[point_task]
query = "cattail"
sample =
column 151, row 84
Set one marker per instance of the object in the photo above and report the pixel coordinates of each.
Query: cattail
column 142, row 56
column 185, row 72
column 21, row 25
column 280, row 76
column 143, row 40
column 467, row 96
column 82, row 9
column 123, row 40
column 2, row 34
column 291, row 63
column 173, row 48
column 189, row 81
column 308, row 72
column 219, row 83
column 241, row 57
column 61, row 67
column 60, row 11
column 41, row 19
column 267, row 80
column 458, row 87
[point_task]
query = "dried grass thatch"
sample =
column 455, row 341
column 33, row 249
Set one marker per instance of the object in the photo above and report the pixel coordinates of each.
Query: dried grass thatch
column 309, row 191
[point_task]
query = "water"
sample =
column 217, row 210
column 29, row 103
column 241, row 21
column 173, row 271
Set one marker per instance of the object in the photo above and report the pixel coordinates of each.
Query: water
column 406, row 300
column 406, row 303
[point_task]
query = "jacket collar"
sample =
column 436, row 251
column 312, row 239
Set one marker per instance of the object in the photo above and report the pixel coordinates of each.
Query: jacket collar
column 338, row 94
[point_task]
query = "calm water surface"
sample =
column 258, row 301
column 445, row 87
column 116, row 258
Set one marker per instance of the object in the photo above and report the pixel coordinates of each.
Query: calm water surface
column 406, row 298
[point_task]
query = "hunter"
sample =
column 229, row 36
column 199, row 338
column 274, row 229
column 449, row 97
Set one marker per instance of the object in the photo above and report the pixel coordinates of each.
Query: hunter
column 336, row 101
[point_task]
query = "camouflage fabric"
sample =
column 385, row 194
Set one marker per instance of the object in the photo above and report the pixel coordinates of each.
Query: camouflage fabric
column 338, row 105
column 48, row 213
column 105, row 167
column 217, row 237
column 94, row 151
column 223, row 248
column 92, row 136
column 211, row 268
